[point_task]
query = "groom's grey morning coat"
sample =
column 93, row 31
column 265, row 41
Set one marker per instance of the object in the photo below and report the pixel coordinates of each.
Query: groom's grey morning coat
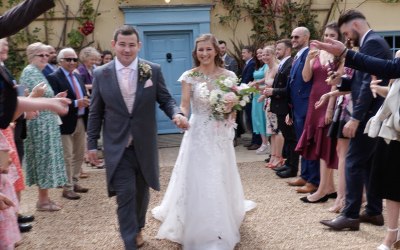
column 107, row 105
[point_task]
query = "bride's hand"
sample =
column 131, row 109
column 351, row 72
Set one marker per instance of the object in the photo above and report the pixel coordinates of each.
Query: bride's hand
column 181, row 122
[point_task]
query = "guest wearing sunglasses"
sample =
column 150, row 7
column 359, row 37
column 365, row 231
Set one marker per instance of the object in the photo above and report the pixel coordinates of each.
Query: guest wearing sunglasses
column 44, row 156
column 74, row 123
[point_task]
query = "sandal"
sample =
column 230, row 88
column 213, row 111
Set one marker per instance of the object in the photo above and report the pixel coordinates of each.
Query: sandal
column 50, row 206
column 83, row 175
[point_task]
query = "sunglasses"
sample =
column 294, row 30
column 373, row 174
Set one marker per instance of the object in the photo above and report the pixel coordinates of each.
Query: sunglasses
column 70, row 59
column 43, row 55
column 295, row 37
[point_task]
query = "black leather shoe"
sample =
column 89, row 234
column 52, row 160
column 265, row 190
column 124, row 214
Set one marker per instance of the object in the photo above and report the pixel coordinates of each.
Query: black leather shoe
column 253, row 147
column 323, row 199
column 376, row 220
column 332, row 195
column 24, row 227
column 70, row 195
column 342, row 223
column 79, row 189
column 287, row 173
column 25, row 218
column 281, row 168
column 247, row 145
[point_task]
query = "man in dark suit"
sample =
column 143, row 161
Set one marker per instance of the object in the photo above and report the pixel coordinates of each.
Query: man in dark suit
column 10, row 23
column 354, row 27
column 279, row 105
column 247, row 76
column 299, row 92
column 74, row 123
column 229, row 62
column 52, row 64
column 124, row 97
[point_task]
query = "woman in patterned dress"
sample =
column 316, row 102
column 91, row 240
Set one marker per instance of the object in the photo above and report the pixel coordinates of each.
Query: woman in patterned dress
column 44, row 154
column 9, row 231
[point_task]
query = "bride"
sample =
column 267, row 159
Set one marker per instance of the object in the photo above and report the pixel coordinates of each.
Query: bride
column 204, row 204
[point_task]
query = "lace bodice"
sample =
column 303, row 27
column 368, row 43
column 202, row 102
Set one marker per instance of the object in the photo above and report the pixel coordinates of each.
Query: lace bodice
column 200, row 104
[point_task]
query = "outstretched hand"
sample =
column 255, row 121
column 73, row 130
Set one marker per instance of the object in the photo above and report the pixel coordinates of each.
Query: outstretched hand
column 59, row 105
column 39, row 90
column 322, row 100
column 332, row 46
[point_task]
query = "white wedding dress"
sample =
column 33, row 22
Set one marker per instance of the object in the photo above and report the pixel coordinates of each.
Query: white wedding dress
column 204, row 204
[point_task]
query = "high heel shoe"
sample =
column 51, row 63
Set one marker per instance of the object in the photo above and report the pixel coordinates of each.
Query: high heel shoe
column 280, row 162
column 395, row 245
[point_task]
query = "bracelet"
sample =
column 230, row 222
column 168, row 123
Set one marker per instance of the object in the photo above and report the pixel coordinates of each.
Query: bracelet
column 343, row 52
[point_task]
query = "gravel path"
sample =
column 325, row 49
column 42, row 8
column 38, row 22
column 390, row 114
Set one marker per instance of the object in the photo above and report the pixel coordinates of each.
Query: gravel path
column 280, row 221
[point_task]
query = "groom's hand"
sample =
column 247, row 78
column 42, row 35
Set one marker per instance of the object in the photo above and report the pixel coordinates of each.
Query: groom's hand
column 93, row 158
column 181, row 121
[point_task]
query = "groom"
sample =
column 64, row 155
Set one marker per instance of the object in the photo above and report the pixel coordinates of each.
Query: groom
column 124, row 95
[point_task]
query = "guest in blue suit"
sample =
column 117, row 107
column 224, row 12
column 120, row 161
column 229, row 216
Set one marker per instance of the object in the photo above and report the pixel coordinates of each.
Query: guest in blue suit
column 247, row 76
column 298, row 99
column 354, row 27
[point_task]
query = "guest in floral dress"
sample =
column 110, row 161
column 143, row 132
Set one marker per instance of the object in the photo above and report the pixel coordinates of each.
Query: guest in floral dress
column 44, row 154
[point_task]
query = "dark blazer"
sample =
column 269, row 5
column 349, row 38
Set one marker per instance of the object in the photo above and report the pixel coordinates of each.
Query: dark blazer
column 298, row 90
column 373, row 65
column 231, row 64
column 59, row 83
column 21, row 15
column 279, row 99
column 108, row 110
column 10, row 23
column 48, row 70
column 364, row 104
column 247, row 74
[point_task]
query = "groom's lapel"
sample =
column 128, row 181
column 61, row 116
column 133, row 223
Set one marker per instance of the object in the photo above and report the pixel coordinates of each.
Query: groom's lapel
column 139, row 87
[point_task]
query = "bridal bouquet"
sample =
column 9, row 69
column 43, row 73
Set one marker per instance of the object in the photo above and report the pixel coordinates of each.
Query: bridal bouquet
column 228, row 97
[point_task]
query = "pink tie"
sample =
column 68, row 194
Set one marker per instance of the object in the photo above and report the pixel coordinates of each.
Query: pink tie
column 127, row 88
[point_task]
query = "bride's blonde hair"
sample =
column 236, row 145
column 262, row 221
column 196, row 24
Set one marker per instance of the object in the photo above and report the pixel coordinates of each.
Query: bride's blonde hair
column 204, row 38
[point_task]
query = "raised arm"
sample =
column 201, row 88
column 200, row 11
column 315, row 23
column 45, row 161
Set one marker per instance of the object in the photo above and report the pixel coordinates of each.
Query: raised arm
column 21, row 15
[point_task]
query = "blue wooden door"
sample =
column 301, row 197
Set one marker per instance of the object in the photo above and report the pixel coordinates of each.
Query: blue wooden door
column 173, row 52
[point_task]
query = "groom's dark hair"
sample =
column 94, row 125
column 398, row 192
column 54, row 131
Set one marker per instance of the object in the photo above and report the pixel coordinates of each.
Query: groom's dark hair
column 125, row 30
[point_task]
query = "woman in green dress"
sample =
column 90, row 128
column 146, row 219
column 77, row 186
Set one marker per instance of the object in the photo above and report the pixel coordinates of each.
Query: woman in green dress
column 43, row 149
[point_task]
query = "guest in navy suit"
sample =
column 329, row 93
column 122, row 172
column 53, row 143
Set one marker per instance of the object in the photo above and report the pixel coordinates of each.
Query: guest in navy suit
column 299, row 91
column 354, row 27
column 52, row 64
column 74, row 123
column 247, row 76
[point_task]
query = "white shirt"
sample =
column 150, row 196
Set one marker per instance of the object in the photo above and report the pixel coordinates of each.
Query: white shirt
column 363, row 37
column 282, row 62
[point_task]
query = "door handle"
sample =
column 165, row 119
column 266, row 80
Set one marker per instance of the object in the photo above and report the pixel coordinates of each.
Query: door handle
column 169, row 57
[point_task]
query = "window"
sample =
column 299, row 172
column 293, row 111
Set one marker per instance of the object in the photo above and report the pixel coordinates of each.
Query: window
column 393, row 39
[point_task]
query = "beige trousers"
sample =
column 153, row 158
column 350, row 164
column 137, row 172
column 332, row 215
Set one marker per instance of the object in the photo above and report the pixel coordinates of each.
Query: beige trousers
column 74, row 152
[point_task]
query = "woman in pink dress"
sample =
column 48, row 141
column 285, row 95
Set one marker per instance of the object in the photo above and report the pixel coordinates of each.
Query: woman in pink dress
column 9, row 231
column 314, row 144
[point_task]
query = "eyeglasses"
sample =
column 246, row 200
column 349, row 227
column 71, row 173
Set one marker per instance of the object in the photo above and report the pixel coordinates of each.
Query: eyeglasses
column 70, row 59
column 43, row 55
column 295, row 37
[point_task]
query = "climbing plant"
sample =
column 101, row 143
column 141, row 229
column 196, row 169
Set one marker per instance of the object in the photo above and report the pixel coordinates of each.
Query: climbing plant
column 77, row 30
column 271, row 20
